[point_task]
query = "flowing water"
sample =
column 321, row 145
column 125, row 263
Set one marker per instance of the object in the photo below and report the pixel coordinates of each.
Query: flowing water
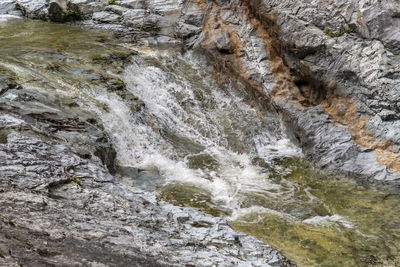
column 200, row 140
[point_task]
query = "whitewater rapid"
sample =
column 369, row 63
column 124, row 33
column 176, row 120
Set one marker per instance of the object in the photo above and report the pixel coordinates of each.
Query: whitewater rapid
column 195, row 132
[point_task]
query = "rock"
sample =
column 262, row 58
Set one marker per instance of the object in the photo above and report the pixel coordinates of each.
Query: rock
column 9, row 18
column 33, row 9
column 319, row 68
column 8, row 7
column 106, row 17
column 69, row 210
column 57, row 11
column 134, row 4
column 61, row 200
column 87, row 7
column 190, row 22
column 388, row 115
column 325, row 58
column 329, row 68
column 222, row 41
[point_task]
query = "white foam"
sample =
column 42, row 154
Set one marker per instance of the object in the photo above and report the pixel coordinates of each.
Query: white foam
column 187, row 114
column 8, row 18
column 329, row 221
column 241, row 214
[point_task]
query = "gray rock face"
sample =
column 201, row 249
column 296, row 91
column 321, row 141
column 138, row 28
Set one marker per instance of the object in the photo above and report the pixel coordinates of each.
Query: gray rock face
column 60, row 209
column 7, row 7
column 345, row 57
column 32, row 9
column 332, row 75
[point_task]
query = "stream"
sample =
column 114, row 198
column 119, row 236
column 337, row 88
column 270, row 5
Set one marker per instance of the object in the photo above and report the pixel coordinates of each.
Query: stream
column 200, row 141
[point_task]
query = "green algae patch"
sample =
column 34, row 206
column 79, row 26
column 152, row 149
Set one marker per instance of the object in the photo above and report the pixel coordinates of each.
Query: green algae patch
column 63, row 61
column 358, row 227
column 60, row 48
column 190, row 196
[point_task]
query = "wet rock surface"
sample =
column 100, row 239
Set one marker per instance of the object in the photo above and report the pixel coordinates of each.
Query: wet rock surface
column 62, row 206
column 60, row 209
column 332, row 76
column 341, row 61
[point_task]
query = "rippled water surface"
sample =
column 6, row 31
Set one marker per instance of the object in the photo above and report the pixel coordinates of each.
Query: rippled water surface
column 198, row 139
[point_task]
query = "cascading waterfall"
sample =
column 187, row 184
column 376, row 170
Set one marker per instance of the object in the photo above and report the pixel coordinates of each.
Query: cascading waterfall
column 193, row 132
column 199, row 142
column 202, row 144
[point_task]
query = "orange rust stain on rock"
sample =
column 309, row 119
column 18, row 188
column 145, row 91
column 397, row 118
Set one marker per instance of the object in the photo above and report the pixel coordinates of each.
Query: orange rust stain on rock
column 210, row 21
column 359, row 20
column 200, row 3
column 230, row 63
column 340, row 109
column 343, row 110
column 389, row 159
column 284, row 82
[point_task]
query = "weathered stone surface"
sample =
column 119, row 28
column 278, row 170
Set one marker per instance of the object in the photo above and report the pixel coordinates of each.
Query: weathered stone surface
column 56, row 11
column 330, row 68
column 33, row 9
column 106, row 17
column 344, row 54
column 325, row 72
column 7, row 7
column 60, row 208
column 223, row 42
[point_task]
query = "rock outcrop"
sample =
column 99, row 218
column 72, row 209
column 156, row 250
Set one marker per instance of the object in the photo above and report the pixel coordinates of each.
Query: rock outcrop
column 60, row 209
column 329, row 68
column 343, row 59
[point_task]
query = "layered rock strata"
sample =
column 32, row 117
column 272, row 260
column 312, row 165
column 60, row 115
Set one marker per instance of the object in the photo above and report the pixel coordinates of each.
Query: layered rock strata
column 328, row 69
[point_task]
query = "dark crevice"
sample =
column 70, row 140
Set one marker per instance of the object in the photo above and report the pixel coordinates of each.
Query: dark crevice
column 311, row 85
column 313, row 91
column 107, row 155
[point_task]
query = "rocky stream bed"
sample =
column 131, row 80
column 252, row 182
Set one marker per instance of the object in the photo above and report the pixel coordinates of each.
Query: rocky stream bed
column 140, row 132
